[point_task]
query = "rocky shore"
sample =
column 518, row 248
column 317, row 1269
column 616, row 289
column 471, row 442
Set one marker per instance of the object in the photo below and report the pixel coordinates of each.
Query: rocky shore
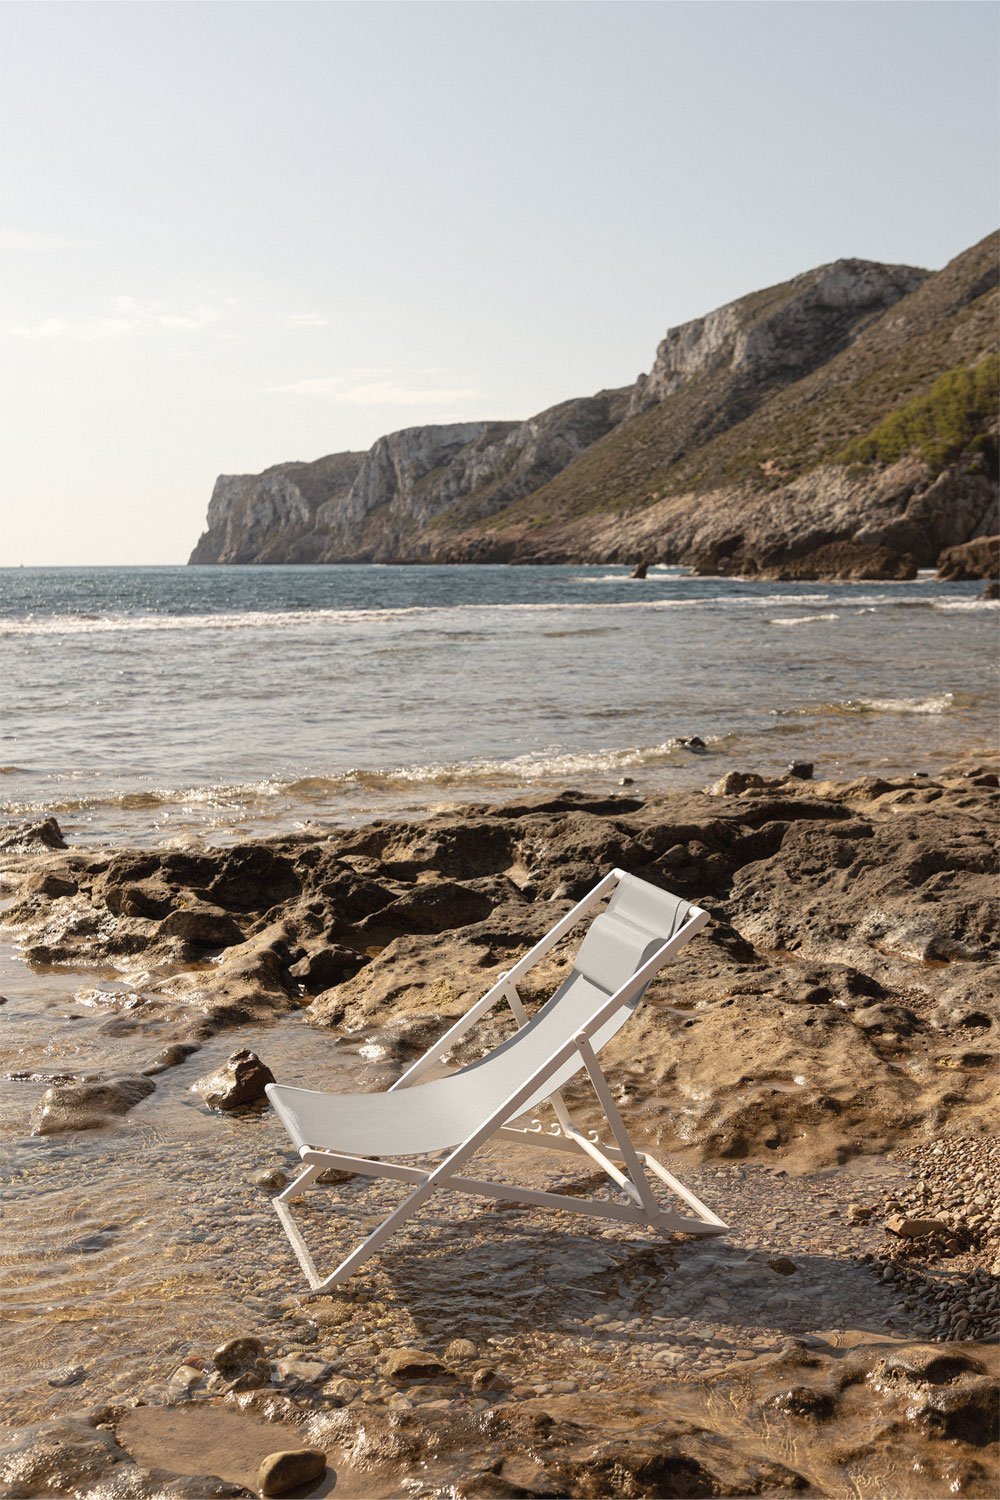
column 820, row 1063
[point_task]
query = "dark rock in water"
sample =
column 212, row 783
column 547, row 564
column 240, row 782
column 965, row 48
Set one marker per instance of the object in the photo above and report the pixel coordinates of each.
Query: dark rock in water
column 803, row 1401
column 802, row 770
column 171, row 1056
column 240, row 1080
column 640, row 570
column 81, row 1106
column 243, row 1361
column 287, row 1470
column 979, row 558
column 26, row 837
column 990, row 593
column 205, row 926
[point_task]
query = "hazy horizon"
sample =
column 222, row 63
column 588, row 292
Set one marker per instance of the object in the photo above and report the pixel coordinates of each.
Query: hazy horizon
column 239, row 234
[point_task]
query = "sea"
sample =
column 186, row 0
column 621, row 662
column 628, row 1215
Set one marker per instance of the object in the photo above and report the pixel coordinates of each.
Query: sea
column 152, row 704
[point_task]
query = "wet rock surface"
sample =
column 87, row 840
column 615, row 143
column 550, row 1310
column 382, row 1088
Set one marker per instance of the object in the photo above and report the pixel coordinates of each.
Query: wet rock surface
column 818, row 1066
column 241, row 1080
column 281, row 1472
column 86, row 1105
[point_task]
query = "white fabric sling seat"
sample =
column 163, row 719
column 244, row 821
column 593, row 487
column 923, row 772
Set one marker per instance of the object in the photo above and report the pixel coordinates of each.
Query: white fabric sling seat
column 640, row 929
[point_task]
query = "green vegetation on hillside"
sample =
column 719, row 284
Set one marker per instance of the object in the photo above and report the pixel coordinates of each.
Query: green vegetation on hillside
column 951, row 416
column 711, row 433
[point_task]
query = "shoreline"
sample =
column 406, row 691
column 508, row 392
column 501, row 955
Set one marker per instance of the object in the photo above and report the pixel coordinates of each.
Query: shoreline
column 820, row 1055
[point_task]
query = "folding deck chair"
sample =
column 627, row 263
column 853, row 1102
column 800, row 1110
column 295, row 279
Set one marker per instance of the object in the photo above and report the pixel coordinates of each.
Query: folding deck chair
column 641, row 928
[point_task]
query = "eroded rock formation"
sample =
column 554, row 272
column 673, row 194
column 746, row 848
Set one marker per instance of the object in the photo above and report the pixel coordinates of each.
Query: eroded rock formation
column 837, row 1004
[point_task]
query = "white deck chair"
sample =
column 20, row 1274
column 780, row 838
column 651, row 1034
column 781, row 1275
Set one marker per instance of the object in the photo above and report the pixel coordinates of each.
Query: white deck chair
column 640, row 930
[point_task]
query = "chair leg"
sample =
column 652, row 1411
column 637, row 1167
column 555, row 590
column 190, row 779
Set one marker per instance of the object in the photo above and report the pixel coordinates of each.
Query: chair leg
column 362, row 1252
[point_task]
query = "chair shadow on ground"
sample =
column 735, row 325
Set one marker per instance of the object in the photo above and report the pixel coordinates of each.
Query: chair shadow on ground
column 503, row 1271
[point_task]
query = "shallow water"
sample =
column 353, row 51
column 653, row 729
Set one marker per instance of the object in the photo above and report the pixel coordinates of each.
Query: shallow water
column 151, row 703
column 128, row 1248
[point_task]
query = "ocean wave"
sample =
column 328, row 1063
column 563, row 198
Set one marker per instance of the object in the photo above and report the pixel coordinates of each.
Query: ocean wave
column 803, row 619
column 967, row 604
column 541, row 766
column 939, row 704
column 304, row 618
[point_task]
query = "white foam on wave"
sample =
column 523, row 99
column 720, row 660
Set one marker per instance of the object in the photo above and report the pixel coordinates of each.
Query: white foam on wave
column 964, row 605
column 803, row 619
column 939, row 704
column 232, row 798
column 285, row 620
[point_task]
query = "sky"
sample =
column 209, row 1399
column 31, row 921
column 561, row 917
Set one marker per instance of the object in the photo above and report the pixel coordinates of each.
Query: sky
column 234, row 234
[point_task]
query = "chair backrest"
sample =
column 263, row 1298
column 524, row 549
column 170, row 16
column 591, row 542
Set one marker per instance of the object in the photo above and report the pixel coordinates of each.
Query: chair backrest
column 638, row 919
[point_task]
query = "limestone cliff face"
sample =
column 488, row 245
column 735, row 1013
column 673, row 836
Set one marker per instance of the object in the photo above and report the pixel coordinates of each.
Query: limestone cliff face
column 377, row 506
column 778, row 334
column 272, row 517
column 726, row 455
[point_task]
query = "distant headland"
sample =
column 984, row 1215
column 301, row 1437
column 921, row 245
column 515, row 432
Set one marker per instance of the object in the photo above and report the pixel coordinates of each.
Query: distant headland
column 840, row 425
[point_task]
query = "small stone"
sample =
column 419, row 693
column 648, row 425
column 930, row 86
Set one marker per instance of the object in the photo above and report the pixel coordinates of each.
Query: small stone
column 782, row 1265
column 859, row 1213
column 342, row 1391
column 271, row 1179
column 564, row 1387
column 68, row 1375
column 460, row 1349
column 915, row 1229
column 170, row 1057
column 289, row 1468
column 802, row 770
column 414, row 1364
column 303, row 1371
column 240, row 1080
column 488, row 1379
column 184, row 1379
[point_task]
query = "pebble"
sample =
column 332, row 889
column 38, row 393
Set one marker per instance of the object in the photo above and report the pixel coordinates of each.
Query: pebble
column 304, row 1371
column 342, row 1391
column 271, row 1179
column 68, row 1375
column 289, row 1468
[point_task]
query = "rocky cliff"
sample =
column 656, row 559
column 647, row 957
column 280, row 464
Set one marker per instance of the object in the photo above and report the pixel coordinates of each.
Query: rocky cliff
column 737, row 452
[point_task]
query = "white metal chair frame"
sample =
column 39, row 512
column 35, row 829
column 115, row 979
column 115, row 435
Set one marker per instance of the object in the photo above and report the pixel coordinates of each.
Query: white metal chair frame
column 626, row 1166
